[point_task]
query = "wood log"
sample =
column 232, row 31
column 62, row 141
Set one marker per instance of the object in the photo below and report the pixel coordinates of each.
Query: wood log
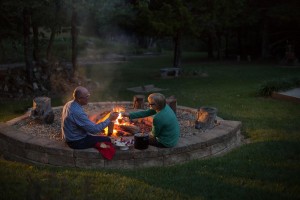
column 110, row 128
column 97, row 118
column 138, row 101
column 206, row 118
column 129, row 128
column 42, row 110
column 123, row 133
column 172, row 102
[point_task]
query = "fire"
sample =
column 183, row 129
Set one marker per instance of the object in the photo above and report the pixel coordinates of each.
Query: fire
column 119, row 121
column 122, row 126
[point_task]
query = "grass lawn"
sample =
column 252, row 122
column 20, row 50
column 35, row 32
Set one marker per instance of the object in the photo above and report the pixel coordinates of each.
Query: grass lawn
column 266, row 168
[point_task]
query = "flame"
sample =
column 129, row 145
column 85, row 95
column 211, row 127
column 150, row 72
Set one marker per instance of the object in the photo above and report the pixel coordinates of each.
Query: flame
column 119, row 121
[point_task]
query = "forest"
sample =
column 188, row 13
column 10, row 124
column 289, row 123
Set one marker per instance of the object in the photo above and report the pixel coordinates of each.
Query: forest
column 45, row 32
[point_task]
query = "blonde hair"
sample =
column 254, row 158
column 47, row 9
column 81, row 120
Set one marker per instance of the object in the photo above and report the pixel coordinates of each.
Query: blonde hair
column 159, row 100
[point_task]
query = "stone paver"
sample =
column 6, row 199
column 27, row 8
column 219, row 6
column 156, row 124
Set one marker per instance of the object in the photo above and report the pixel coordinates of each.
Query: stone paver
column 293, row 92
column 292, row 95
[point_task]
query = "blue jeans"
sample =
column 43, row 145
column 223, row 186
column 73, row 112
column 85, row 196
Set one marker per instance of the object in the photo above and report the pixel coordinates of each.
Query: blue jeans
column 88, row 142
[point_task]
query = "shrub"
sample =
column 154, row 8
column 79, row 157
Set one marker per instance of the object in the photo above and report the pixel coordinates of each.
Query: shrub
column 268, row 87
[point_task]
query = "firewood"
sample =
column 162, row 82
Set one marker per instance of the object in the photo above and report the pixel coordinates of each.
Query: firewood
column 172, row 102
column 99, row 117
column 123, row 133
column 42, row 110
column 138, row 101
column 130, row 128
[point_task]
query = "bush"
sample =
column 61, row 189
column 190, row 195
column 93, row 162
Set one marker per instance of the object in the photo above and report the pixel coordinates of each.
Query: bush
column 268, row 87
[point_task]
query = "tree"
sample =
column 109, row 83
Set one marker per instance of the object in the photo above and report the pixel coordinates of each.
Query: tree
column 166, row 18
column 215, row 21
column 278, row 22
column 27, row 54
column 55, row 22
column 74, row 34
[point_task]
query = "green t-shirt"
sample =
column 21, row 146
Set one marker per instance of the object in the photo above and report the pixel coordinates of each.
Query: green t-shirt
column 165, row 125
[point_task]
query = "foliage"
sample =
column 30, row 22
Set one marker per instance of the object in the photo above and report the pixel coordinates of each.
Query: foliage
column 268, row 87
column 228, row 27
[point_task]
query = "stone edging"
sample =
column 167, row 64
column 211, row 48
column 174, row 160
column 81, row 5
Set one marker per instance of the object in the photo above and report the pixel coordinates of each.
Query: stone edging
column 18, row 146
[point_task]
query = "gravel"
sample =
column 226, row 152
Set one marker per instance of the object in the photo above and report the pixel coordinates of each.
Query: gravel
column 52, row 131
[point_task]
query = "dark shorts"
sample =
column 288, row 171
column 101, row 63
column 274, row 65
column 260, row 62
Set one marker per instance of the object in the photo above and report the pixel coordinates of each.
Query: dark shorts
column 88, row 142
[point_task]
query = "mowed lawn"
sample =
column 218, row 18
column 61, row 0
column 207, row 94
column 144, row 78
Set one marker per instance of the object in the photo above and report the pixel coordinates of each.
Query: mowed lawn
column 267, row 167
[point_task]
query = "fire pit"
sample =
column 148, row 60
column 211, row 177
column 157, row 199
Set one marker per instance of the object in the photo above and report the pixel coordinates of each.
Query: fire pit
column 27, row 140
column 186, row 118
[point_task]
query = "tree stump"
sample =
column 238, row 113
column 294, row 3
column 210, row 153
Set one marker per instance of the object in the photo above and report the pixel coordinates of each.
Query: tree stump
column 172, row 102
column 42, row 110
column 206, row 118
column 138, row 101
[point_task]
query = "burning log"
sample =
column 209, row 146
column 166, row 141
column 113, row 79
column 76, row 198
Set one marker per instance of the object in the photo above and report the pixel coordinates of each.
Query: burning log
column 129, row 128
column 119, row 128
column 97, row 118
column 122, row 133
column 138, row 101
column 110, row 130
column 206, row 118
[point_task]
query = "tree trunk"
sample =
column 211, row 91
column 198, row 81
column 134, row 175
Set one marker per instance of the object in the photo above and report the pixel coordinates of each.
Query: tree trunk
column 53, row 29
column 219, row 43
column 239, row 42
column 177, row 50
column 210, row 53
column 3, row 53
column 226, row 45
column 36, row 49
column 265, row 40
column 27, row 54
column 74, row 35
column 50, row 44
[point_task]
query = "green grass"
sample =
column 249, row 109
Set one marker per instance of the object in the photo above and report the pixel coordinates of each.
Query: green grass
column 267, row 168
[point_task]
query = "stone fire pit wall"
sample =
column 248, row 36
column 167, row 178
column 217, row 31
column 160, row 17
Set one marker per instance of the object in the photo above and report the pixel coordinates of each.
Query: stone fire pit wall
column 19, row 146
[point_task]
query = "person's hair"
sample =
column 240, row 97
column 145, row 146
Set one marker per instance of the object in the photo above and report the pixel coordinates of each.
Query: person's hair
column 159, row 100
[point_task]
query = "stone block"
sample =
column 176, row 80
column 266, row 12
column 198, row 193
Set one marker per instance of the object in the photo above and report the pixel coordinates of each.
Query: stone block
column 61, row 160
column 37, row 144
column 58, row 148
column 148, row 162
column 3, row 145
column 151, row 152
column 13, row 157
column 16, row 147
column 119, row 164
column 87, row 153
column 89, row 163
column 200, row 153
column 11, row 134
column 36, row 156
column 172, row 159
column 218, row 147
column 124, row 155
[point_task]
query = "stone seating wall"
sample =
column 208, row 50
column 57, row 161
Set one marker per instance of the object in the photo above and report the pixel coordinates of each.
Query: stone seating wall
column 17, row 146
